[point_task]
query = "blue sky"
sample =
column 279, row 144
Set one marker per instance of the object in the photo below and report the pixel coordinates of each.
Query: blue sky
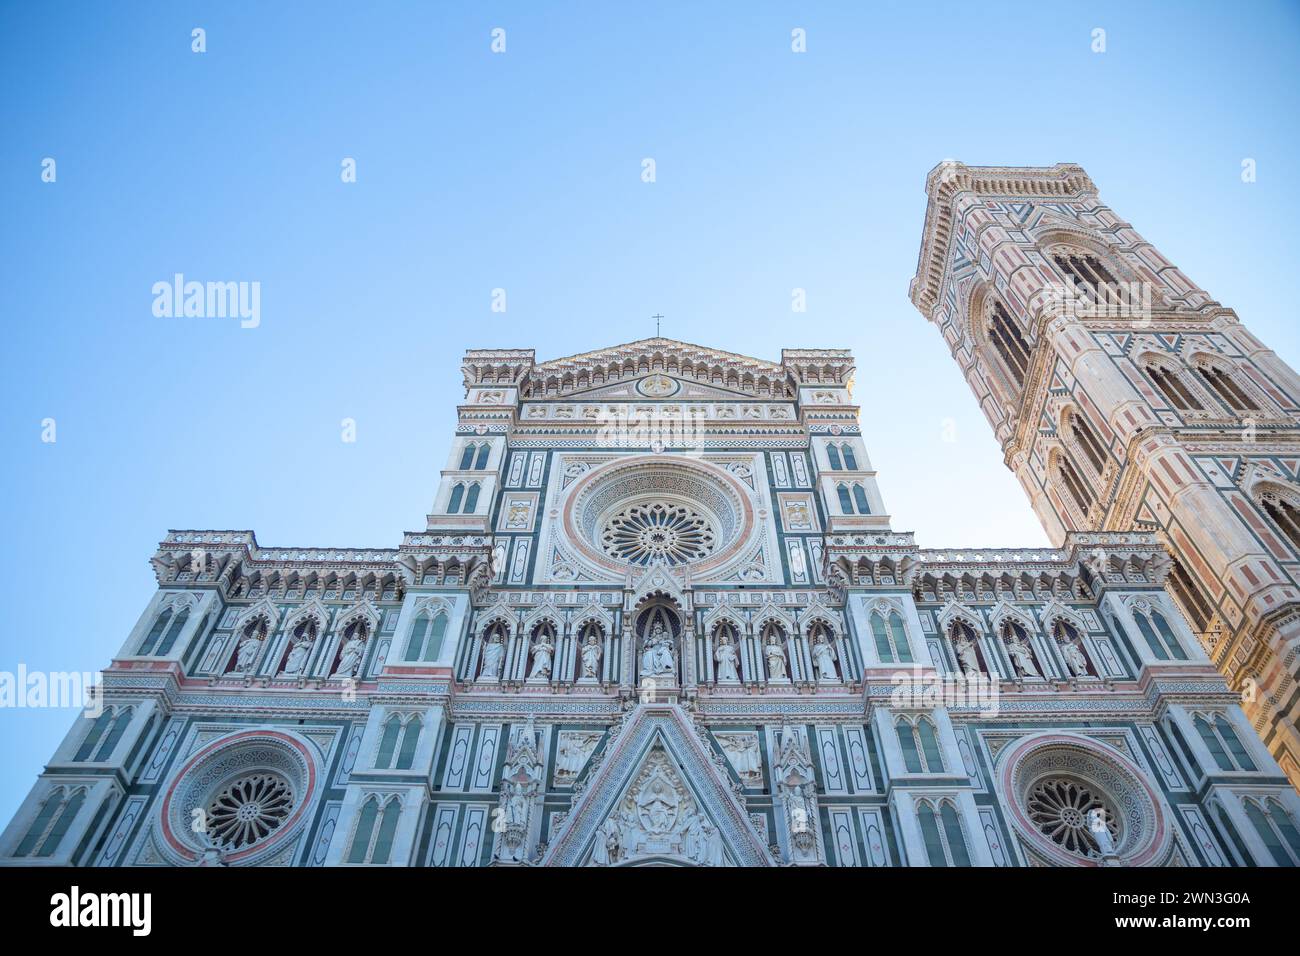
column 521, row 171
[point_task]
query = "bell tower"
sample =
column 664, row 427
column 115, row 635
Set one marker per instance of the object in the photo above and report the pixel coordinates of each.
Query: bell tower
column 1125, row 398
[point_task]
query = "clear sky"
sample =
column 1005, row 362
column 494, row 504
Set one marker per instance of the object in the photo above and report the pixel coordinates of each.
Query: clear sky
column 522, row 171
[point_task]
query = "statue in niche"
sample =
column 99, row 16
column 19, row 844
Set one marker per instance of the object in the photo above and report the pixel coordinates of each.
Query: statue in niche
column 1075, row 658
column 493, row 651
column 967, row 656
column 350, row 656
column 725, row 655
column 823, row 658
column 1021, row 654
column 591, row 656
column 657, row 653
column 296, row 662
column 542, row 654
column 246, row 654
column 775, row 654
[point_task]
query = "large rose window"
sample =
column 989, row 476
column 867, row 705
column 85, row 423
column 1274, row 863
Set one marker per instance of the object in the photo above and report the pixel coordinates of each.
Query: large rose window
column 644, row 511
column 1055, row 780
column 1059, row 808
column 658, row 531
column 251, row 791
column 249, row 809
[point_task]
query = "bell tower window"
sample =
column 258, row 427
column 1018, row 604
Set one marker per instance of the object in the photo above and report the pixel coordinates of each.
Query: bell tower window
column 1004, row 333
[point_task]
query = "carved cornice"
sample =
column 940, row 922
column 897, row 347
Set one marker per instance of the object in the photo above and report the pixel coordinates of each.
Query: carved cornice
column 951, row 179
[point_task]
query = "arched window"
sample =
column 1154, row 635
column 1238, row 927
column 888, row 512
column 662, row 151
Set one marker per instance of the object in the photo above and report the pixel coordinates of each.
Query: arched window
column 846, row 501
column 471, row 499
column 920, row 745
column 1189, row 598
column 1087, row 271
column 860, row 499
column 1087, row 442
column 1177, row 392
column 1276, row 828
column 52, row 822
column 850, row 459
column 151, row 639
column 104, row 734
column 1225, row 385
column 360, row 849
column 369, row 846
column 1004, row 333
column 945, row 843
column 457, row 493
column 410, row 740
column 1222, row 742
column 891, row 638
column 96, row 731
column 173, row 632
column 388, row 742
column 1284, row 514
column 833, row 456
column 121, row 718
column 1078, row 490
column 1158, row 635
column 467, row 457
column 483, row 451
column 427, row 635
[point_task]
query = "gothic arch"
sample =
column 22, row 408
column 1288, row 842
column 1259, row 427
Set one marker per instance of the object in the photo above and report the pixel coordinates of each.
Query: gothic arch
column 958, row 612
column 486, row 622
column 263, row 608
column 541, row 614
column 593, row 614
column 1065, row 239
column 361, row 611
column 312, row 609
column 1186, row 389
column 1202, row 360
column 724, row 612
column 1054, row 611
column 1004, row 611
column 1005, row 363
column 1072, row 487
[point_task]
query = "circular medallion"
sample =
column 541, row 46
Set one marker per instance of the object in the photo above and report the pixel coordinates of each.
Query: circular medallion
column 657, row 386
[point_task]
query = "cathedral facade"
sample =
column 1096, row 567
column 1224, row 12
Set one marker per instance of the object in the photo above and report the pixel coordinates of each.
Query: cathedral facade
column 659, row 616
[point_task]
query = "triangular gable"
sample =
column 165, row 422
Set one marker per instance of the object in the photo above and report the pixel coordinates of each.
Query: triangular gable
column 661, row 344
column 651, row 797
column 658, row 387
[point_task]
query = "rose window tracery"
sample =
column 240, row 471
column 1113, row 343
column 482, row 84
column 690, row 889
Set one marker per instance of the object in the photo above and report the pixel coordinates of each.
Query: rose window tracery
column 658, row 531
column 249, row 809
column 1059, row 807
